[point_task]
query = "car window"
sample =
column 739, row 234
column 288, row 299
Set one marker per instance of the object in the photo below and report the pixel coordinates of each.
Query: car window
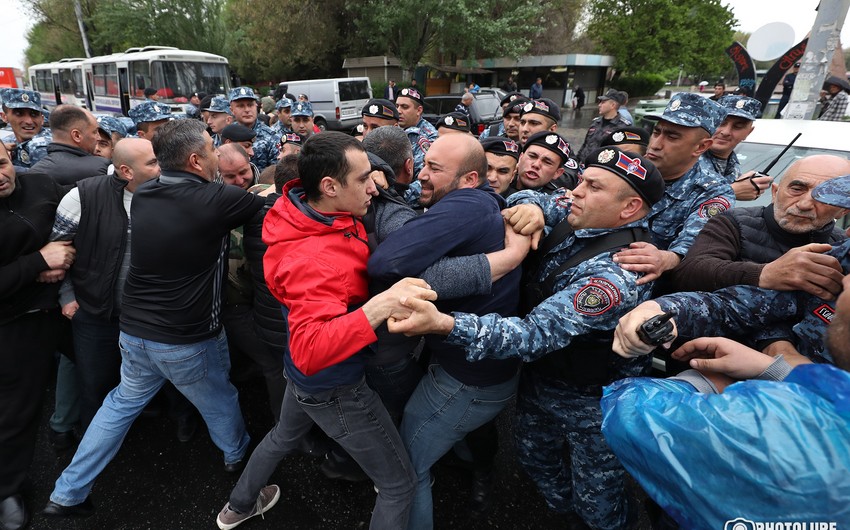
column 353, row 90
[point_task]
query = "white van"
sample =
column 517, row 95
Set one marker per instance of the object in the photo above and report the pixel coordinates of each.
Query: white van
column 336, row 102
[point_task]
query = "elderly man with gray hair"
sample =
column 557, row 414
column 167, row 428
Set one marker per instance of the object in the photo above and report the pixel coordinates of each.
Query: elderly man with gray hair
column 171, row 314
column 465, row 102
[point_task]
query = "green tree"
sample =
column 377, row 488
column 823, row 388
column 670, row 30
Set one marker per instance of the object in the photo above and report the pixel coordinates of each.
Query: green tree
column 410, row 29
column 649, row 36
column 279, row 39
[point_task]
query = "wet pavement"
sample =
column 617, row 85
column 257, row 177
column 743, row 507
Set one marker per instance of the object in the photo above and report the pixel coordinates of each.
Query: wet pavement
column 158, row 483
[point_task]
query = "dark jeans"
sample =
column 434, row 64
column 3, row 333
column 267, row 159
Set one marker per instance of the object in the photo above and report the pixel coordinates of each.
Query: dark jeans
column 27, row 345
column 98, row 361
column 243, row 335
column 394, row 383
column 353, row 416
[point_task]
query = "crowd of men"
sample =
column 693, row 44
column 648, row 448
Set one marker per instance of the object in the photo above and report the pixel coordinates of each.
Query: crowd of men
column 399, row 288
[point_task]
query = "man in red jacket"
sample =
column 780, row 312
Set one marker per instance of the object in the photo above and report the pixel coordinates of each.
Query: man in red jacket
column 315, row 266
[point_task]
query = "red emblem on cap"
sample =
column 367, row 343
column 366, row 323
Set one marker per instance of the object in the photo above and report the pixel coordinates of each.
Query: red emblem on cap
column 511, row 146
column 632, row 166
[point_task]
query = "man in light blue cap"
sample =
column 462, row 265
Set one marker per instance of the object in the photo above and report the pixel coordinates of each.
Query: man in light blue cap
column 693, row 194
column 111, row 130
column 148, row 116
column 741, row 114
column 218, row 117
column 302, row 119
column 283, row 125
column 22, row 111
column 243, row 105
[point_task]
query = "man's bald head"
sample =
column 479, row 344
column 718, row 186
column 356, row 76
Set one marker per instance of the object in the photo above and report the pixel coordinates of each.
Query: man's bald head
column 135, row 161
column 234, row 166
column 233, row 151
column 793, row 206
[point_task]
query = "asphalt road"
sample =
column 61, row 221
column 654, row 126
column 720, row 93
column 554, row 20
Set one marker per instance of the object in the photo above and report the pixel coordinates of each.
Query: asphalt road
column 156, row 482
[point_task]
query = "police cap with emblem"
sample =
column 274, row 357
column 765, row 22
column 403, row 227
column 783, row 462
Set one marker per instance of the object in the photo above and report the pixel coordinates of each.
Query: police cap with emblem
column 627, row 136
column 640, row 173
column 516, row 106
column 499, row 145
column 551, row 141
column 283, row 103
column 236, row 132
column 692, row 110
column 242, row 92
column 544, row 106
column 616, row 95
column 380, row 108
column 742, row 106
column 16, row 98
column 834, row 192
column 291, row 138
column 454, row 120
column 302, row 108
column 411, row 93
column 110, row 125
column 510, row 97
column 219, row 104
column 149, row 111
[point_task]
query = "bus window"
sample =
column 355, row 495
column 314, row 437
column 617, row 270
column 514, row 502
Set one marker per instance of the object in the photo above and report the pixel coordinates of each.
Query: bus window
column 179, row 78
column 140, row 74
column 69, row 84
column 105, row 79
column 44, row 81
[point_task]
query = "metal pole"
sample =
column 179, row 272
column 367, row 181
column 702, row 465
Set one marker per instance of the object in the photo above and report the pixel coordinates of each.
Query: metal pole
column 815, row 64
column 79, row 11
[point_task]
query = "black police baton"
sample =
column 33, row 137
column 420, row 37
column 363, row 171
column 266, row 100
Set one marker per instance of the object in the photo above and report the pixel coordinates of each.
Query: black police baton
column 657, row 330
column 775, row 160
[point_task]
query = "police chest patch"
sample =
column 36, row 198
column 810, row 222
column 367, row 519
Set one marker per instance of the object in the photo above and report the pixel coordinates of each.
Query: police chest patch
column 713, row 207
column 597, row 297
column 824, row 312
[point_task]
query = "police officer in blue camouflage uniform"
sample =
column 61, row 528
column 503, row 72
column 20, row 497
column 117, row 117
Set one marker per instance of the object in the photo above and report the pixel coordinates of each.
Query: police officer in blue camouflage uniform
column 603, row 125
column 22, row 111
column 694, row 193
column 243, row 105
column 111, row 131
column 420, row 133
column 148, row 116
column 218, row 117
column 283, row 125
column 741, row 114
column 577, row 295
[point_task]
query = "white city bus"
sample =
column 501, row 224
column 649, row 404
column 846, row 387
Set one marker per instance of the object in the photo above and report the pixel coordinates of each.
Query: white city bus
column 117, row 82
column 113, row 84
column 59, row 82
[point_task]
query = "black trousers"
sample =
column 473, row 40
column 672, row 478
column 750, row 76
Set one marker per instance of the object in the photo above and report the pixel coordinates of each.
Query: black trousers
column 27, row 345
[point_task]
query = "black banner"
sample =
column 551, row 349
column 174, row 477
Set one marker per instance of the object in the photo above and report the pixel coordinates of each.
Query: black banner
column 774, row 75
column 745, row 67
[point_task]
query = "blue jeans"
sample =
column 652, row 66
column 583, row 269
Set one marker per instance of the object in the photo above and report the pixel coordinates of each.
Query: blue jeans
column 200, row 371
column 441, row 411
column 352, row 415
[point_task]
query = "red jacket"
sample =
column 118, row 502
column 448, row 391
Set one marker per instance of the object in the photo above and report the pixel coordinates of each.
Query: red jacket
column 316, row 266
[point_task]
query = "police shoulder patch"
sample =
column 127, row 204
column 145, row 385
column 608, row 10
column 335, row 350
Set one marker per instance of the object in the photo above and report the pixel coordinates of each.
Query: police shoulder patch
column 424, row 143
column 824, row 312
column 713, row 207
column 597, row 297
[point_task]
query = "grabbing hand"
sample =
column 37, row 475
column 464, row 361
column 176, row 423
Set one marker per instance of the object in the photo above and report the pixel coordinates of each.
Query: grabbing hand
column 723, row 356
column 646, row 258
column 423, row 318
column 804, row 268
column 70, row 309
column 58, row 254
column 750, row 187
column 526, row 219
